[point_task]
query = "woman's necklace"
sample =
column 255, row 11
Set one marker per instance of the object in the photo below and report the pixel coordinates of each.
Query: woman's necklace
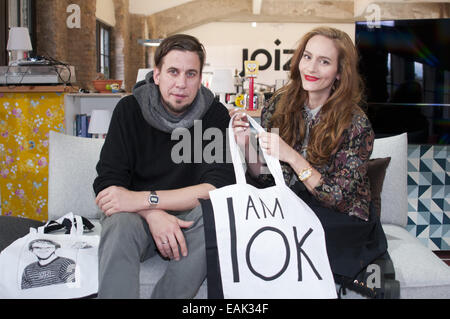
column 311, row 114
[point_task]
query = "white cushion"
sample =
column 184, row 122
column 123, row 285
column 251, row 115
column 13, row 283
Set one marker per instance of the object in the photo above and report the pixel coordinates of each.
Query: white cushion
column 394, row 196
column 72, row 162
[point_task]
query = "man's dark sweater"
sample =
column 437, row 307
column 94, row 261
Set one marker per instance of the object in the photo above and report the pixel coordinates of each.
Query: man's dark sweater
column 137, row 156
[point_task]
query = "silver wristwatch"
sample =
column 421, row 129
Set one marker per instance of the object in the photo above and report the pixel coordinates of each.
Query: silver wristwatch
column 153, row 199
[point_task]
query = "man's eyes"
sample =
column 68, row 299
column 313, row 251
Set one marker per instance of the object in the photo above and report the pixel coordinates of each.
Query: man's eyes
column 188, row 74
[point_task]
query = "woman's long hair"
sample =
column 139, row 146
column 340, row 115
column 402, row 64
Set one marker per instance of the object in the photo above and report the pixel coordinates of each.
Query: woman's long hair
column 337, row 112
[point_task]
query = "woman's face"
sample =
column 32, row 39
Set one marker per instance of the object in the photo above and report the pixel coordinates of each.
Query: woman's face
column 319, row 66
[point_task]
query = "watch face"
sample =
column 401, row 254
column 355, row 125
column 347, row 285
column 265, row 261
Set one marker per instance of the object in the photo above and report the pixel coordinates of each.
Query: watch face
column 305, row 174
column 154, row 199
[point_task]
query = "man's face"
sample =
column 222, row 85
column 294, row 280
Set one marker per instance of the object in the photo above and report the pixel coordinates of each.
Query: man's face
column 43, row 250
column 179, row 80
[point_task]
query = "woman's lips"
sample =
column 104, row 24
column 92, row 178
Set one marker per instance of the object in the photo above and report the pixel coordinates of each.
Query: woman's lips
column 311, row 78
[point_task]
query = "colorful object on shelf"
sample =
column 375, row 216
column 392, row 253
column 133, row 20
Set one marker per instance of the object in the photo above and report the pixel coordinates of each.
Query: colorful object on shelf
column 251, row 72
column 106, row 86
column 251, row 69
column 239, row 101
column 115, row 88
column 25, row 122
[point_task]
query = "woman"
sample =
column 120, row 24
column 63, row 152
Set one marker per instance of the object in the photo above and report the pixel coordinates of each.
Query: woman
column 324, row 144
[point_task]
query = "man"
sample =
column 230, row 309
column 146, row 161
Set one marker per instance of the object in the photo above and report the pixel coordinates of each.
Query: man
column 150, row 202
column 50, row 269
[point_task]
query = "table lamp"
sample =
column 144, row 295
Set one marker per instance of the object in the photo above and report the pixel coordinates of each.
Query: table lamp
column 99, row 123
column 141, row 74
column 19, row 42
column 222, row 82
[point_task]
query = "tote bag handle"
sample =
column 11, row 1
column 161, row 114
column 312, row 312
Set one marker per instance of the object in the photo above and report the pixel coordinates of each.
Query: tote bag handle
column 273, row 164
column 76, row 228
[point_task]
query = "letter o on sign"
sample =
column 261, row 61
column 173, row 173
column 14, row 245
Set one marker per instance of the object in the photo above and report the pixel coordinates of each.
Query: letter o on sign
column 249, row 246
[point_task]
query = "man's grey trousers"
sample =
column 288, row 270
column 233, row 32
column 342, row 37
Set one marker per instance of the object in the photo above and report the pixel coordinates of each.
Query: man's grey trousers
column 126, row 241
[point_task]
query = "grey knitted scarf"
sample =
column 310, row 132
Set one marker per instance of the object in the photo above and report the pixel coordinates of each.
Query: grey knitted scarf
column 149, row 99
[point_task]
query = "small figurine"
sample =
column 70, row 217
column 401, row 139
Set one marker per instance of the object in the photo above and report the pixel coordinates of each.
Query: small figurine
column 115, row 88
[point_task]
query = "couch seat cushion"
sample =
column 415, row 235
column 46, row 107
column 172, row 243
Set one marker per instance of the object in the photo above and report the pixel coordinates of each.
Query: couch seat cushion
column 420, row 272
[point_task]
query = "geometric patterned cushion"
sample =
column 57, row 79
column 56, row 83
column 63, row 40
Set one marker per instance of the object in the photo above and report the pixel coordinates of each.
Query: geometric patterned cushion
column 429, row 195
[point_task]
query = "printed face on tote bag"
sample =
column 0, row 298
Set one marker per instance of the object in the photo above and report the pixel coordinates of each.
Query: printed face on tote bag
column 55, row 266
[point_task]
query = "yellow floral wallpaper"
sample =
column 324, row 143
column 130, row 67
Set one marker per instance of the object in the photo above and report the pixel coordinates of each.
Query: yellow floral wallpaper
column 25, row 122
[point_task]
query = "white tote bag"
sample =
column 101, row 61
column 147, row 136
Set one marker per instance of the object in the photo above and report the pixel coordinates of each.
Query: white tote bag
column 51, row 266
column 270, row 243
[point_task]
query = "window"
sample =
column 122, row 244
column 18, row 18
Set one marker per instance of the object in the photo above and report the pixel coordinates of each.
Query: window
column 3, row 32
column 21, row 13
column 103, row 49
column 15, row 13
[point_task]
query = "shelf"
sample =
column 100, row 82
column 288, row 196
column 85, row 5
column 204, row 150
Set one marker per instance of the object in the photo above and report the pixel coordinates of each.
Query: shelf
column 101, row 95
column 36, row 88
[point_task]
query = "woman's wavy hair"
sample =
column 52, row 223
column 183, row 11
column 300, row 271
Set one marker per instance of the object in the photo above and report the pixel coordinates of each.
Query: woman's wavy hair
column 337, row 112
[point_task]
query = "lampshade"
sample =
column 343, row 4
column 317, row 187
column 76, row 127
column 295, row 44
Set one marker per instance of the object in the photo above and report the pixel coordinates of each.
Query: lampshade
column 19, row 39
column 99, row 122
column 222, row 81
column 142, row 73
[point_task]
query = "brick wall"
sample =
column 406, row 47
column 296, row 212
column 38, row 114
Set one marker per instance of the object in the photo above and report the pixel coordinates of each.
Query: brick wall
column 129, row 56
column 75, row 46
column 78, row 46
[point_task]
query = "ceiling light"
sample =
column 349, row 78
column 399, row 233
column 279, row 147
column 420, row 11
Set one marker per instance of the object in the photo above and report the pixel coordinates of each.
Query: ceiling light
column 150, row 42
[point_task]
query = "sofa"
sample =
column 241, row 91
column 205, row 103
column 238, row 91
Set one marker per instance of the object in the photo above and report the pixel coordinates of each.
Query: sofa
column 420, row 273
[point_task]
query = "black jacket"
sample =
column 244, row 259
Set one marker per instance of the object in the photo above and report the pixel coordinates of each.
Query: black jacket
column 138, row 156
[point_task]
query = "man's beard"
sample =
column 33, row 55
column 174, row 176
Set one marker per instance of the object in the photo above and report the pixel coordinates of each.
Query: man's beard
column 175, row 110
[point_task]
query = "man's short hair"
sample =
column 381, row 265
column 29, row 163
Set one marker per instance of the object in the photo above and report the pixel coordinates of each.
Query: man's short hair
column 47, row 241
column 181, row 42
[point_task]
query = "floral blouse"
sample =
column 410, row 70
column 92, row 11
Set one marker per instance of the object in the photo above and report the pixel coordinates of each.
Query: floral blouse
column 344, row 185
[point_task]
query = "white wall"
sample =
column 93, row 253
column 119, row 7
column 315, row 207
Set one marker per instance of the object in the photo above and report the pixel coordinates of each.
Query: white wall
column 224, row 44
column 149, row 7
column 105, row 12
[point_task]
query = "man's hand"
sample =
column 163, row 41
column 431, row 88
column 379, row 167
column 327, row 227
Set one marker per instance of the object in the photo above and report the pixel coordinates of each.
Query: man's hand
column 115, row 199
column 166, row 232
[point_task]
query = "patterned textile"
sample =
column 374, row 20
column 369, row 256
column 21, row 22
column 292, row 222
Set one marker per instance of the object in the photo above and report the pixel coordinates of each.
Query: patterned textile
column 25, row 122
column 344, row 185
column 429, row 195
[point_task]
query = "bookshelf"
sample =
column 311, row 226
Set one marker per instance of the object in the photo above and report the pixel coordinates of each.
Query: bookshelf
column 82, row 103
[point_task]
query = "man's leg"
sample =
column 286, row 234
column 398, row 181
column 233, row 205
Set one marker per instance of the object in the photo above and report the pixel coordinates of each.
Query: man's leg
column 183, row 278
column 125, row 241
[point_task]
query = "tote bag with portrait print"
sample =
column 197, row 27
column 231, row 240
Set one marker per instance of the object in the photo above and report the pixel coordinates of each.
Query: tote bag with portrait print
column 44, row 265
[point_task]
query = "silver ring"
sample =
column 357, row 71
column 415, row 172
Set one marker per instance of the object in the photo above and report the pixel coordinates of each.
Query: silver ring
column 164, row 243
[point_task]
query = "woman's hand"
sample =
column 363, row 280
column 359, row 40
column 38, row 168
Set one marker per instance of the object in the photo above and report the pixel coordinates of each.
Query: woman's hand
column 275, row 146
column 240, row 127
